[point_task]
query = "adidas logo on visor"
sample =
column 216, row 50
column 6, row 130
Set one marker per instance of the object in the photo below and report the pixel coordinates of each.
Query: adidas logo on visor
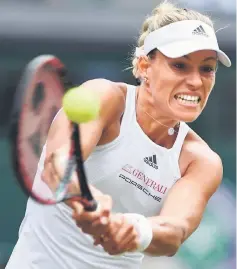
column 200, row 31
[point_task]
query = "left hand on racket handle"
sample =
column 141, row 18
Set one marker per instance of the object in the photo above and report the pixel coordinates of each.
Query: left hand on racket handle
column 96, row 221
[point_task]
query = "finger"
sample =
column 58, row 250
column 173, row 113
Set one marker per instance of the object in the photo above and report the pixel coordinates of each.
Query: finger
column 101, row 240
column 120, row 248
column 125, row 233
column 54, row 176
column 73, row 187
column 105, row 205
column 45, row 175
column 82, row 215
column 54, row 166
column 103, row 219
column 101, row 234
column 101, row 215
column 115, row 223
column 77, row 208
column 86, row 227
column 94, row 228
column 132, row 245
column 127, row 240
column 49, row 175
column 86, row 219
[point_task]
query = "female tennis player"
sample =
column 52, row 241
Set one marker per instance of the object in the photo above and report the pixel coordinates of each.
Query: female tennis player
column 151, row 173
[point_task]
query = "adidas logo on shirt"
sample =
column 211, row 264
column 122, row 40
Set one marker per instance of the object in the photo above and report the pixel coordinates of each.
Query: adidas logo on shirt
column 200, row 31
column 151, row 161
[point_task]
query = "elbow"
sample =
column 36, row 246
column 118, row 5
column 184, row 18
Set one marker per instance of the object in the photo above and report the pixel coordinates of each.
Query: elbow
column 173, row 249
column 175, row 240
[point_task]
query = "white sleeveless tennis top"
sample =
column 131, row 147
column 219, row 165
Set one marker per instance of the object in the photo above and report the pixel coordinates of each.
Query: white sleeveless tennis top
column 135, row 171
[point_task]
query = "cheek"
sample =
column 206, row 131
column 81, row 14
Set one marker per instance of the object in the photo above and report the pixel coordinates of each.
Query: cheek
column 162, row 82
column 158, row 88
column 210, row 85
column 208, row 89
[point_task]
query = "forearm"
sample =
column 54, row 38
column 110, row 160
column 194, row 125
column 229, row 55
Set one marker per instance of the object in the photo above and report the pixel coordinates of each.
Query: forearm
column 168, row 235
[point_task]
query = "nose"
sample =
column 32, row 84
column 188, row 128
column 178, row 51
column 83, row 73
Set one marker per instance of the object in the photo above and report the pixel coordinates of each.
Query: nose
column 194, row 80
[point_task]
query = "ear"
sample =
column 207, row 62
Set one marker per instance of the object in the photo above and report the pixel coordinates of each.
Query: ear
column 142, row 66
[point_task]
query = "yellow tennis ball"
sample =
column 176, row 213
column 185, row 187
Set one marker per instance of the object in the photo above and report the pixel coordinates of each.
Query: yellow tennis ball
column 81, row 105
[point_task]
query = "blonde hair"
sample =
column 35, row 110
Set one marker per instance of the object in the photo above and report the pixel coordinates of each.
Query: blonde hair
column 162, row 15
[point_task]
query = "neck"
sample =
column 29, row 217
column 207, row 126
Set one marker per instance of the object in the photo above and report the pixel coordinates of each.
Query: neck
column 152, row 121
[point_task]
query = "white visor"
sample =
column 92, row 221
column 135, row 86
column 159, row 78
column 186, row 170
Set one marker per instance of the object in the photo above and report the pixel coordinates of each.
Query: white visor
column 184, row 37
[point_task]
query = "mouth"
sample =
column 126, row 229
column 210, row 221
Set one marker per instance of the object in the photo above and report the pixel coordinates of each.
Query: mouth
column 187, row 100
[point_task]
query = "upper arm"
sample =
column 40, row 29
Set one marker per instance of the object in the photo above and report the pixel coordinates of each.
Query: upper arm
column 188, row 198
column 111, row 100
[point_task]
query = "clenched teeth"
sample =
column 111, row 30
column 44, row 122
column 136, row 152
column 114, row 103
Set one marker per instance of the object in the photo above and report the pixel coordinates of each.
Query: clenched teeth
column 188, row 98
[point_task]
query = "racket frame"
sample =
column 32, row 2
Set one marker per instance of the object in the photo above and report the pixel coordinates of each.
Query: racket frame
column 51, row 62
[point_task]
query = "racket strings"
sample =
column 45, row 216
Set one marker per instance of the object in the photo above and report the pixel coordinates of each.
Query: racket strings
column 61, row 186
column 62, row 189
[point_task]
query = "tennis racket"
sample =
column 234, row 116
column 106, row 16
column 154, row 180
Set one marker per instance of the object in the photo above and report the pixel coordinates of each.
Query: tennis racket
column 37, row 100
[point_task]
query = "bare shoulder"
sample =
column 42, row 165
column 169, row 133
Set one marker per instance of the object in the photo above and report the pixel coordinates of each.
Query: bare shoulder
column 197, row 152
column 107, row 88
column 112, row 95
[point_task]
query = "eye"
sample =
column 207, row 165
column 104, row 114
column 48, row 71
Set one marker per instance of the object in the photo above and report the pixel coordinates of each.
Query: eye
column 180, row 66
column 208, row 69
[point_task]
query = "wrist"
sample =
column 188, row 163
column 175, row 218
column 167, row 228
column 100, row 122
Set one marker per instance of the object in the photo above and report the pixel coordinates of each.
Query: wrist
column 143, row 228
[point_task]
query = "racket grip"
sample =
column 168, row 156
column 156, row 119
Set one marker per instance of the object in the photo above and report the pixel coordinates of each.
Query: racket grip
column 91, row 206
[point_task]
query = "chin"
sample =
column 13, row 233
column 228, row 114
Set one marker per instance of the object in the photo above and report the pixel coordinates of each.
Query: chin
column 186, row 111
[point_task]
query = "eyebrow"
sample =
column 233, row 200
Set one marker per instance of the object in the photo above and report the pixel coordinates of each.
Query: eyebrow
column 210, row 58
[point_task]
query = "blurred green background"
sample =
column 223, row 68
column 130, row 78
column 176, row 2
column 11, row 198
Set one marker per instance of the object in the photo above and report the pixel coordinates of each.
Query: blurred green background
column 94, row 39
